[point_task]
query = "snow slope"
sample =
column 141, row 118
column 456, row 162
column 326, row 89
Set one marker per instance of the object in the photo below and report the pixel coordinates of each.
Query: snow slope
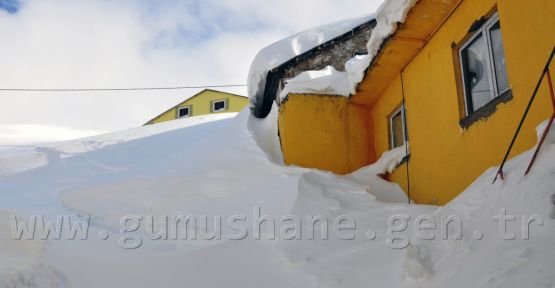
column 27, row 134
column 232, row 167
column 16, row 158
column 522, row 256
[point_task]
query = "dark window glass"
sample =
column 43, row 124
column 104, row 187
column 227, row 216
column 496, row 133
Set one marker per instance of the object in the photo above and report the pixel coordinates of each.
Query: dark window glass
column 219, row 105
column 183, row 112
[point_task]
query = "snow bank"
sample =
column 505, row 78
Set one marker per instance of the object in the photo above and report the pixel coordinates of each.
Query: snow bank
column 104, row 140
column 284, row 50
column 26, row 134
column 522, row 255
column 15, row 159
column 218, row 168
column 370, row 176
column 16, row 253
column 266, row 133
column 550, row 138
column 20, row 264
column 223, row 173
column 214, row 168
column 352, row 263
column 331, row 82
column 387, row 163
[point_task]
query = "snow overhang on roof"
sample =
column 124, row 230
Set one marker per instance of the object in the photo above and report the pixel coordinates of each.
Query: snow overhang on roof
column 296, row 48
column 400, row 46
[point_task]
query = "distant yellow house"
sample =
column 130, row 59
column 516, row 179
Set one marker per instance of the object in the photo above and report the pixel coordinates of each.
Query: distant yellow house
column 454, row 81
column 205, row 102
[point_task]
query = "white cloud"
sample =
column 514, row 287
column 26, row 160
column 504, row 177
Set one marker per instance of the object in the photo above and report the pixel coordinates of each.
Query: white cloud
column 88, row 43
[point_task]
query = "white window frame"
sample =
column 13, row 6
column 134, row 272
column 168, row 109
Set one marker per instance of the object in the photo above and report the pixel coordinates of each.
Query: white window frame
column 401, row 109
column 185, row 107
column 213, row 104
column 484, row 31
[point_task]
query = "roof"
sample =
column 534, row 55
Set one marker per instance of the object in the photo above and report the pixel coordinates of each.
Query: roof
column 191, row 97
column 294, row 49
column 402, row 28
column 421, row 21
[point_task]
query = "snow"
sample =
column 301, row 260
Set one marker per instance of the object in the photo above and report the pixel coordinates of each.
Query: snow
column 20, row 264
column 550, row 138
column 328, row 81
column 388, row 162
column 17, row 158
column 26, row 134
column 390, row 13
column 232, row 166
column 496, row 260
column 371, row 176
column 265, row 132
column 286, row 49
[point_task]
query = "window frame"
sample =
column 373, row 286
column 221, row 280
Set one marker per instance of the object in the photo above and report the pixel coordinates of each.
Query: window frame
column 213, row 103
column 484, row 31
column 190, row 107
column 401, row 109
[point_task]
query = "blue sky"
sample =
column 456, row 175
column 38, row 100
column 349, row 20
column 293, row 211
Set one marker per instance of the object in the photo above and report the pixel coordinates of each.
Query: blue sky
column 137, row 43
column 11, row 6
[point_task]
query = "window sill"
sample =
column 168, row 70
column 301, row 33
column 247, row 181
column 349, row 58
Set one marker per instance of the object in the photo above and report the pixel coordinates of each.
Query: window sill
column 487, row 110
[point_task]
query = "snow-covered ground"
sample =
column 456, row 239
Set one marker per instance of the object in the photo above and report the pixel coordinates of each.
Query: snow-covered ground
column 18, row 154
column 28, row 134
column 230, row 168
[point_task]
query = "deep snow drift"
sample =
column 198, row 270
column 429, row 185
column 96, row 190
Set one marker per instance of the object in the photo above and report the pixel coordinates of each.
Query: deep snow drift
column 27, row 134
column 220, row 169
column 520, row 255
column 16, row 158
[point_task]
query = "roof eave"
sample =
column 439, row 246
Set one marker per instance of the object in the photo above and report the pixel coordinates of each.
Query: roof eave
column 421, row 23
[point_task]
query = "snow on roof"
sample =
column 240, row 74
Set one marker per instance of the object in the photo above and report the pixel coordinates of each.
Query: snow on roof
column 281, row 51
column 328, row 81
column 388, row 15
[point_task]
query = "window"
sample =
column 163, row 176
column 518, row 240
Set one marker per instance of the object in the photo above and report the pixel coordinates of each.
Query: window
column 397, row 128
column 183, row 112
column 483, row 66
column 219, row 105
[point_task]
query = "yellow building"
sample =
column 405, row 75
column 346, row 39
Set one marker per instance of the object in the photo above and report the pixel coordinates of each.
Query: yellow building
column 454, row 79
column 205, row 102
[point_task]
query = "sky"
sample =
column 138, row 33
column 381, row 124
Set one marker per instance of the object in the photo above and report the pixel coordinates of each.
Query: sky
column 136, row 43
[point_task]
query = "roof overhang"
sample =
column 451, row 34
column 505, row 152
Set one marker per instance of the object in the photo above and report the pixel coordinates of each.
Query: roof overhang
column 421, row 23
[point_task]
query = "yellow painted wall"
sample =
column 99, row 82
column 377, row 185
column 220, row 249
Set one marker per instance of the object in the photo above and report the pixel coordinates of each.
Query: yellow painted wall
column 381, row 112
column 201, row 105
column 326, row 132
column 445, row 158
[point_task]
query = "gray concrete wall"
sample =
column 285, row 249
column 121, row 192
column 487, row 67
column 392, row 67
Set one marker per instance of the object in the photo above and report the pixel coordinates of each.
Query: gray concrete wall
column 335, row 55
